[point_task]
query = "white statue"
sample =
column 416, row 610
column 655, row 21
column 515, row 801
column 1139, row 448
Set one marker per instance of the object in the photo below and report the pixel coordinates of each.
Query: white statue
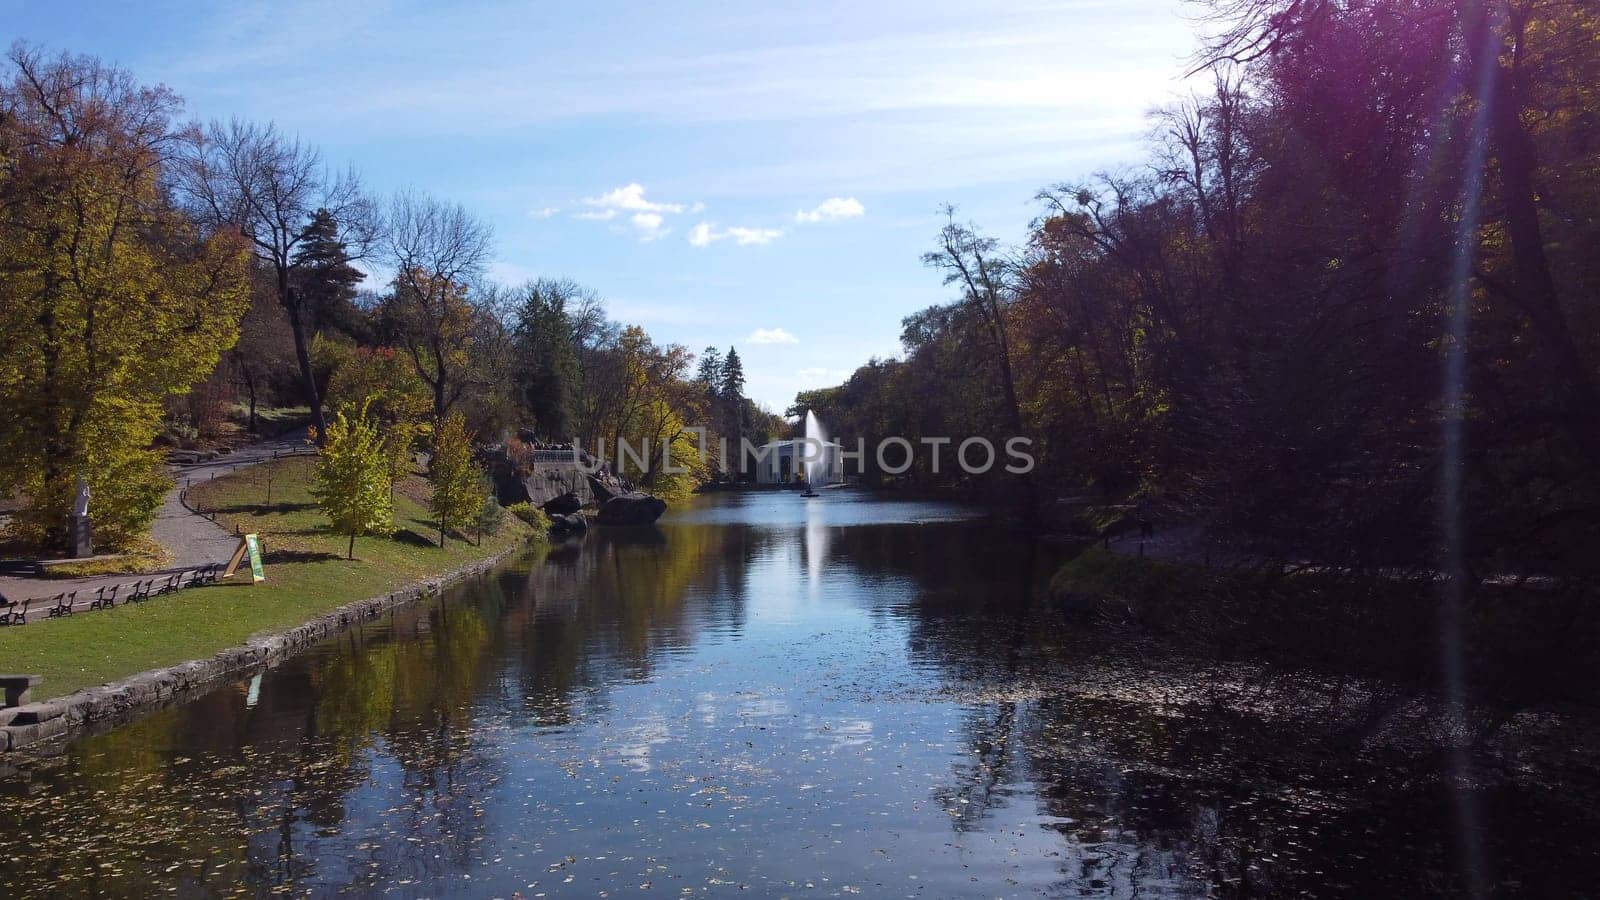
column 80, row 507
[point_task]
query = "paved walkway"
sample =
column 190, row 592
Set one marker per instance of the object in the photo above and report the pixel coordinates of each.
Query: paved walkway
column 192, row 539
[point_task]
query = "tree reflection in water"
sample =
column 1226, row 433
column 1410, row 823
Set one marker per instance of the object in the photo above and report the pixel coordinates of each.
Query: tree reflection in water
column 761, row 695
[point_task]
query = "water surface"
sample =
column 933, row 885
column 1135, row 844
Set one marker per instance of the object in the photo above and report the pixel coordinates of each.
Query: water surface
column 771, row 696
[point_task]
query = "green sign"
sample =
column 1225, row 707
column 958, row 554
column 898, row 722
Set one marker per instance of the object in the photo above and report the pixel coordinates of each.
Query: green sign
column 249, row 545
column 253, row 544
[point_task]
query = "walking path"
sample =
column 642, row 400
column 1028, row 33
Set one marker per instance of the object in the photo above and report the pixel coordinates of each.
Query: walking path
column 192, row 539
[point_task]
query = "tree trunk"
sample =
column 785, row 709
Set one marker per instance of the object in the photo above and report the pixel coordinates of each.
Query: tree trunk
column 250, row 386
column 302, row 353
column 351, row 552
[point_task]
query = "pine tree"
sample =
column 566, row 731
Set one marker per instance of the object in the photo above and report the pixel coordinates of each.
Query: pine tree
column 458, row 491
column 732, row 397
column 353, row 478
column 547, row 373
column 732, row 375
column 326, row 280
column 710, row 371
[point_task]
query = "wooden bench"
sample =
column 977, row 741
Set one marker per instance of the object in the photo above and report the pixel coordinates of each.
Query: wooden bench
column 16, row 688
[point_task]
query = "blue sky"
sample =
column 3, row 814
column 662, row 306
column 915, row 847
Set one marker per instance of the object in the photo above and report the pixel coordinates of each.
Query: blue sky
column 758, row 175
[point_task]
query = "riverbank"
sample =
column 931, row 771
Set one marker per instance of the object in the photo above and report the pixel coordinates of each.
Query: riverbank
column 200, row 634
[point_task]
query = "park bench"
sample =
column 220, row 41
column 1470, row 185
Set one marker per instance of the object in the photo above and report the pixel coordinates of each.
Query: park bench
column 14, row 613
column 171, row 584
column 141, row 591
column 63, row 605
column 106, row 597
column 16, row 688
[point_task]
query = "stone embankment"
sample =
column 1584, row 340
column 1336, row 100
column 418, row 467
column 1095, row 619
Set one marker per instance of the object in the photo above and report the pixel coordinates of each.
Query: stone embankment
column 121, row 701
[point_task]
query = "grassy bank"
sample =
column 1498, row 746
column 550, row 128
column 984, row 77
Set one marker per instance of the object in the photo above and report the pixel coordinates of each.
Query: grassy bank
column 307, row 575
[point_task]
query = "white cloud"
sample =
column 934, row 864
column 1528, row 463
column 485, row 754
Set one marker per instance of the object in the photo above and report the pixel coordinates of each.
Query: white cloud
column 649, row 226
column 771, row 336
column 648, row 218
column 831, row 210
column 707, row 233
column 543, row 212
column 630, row 198
column 744, row 236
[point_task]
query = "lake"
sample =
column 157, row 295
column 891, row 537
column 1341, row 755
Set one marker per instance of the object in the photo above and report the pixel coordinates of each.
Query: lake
column 765, row 695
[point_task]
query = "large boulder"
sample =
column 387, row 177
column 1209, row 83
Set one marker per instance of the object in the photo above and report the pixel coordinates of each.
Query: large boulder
column 632, row 509
column 563, row 505
column 574, row 523
column 509, row 488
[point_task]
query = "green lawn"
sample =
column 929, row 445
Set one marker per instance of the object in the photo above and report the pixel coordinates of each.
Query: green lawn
column 307, row 574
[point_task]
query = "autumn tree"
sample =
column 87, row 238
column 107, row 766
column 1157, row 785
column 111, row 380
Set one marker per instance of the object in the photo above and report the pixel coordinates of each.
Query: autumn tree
column 353, row 477
column 111, row 300
column 458, row 489
column 398, row 401
column 970, row 261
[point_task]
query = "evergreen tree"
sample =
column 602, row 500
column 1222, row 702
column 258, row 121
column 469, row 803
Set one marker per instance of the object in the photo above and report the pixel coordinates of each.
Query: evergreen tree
column 710, row 371
column 458, row 490
column 548, row 374
column 732, row 397
column 353, row 478
column 327, row 281
column 732, row 376
column 709, row 377
column 491, row 515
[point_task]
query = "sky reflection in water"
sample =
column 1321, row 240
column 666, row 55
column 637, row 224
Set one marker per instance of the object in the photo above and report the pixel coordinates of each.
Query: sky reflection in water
column 764, row 695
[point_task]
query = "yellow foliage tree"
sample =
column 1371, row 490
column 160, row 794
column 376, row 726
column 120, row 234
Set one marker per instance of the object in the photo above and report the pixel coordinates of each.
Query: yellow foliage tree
column 111, row 299
column 458, row 489
column 353, row 477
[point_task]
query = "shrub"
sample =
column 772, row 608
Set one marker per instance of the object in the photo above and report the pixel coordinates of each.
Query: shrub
column 536, row 518
column 491, row 518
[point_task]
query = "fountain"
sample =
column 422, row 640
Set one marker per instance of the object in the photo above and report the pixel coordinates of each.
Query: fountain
column 816, row 465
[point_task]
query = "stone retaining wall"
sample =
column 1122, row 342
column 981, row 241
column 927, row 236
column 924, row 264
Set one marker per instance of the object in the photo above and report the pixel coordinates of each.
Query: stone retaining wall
column 120, row 701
